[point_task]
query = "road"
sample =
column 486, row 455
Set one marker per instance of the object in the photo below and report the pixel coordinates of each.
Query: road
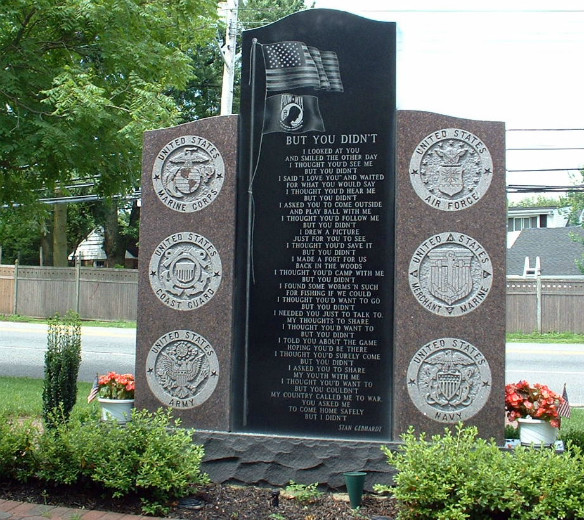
column 23, row 345
column 551, row 364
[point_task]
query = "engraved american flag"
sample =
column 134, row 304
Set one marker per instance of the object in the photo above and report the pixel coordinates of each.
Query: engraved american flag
column 291, row 64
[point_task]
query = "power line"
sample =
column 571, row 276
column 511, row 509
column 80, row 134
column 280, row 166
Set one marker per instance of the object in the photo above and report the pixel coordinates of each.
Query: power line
column 545, row 170
column 526, row 188
column 542, row 149
column 544, row 129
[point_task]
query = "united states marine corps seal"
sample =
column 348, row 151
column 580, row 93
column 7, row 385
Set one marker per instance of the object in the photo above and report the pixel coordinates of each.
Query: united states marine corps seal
column 450, row 274
column 451, row 169
column 188, row 173
column 185, row 271
column 182, row 369
column 449, row 380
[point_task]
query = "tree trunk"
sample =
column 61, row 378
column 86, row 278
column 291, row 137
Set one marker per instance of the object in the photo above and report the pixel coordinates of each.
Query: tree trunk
column 60, row 236
column 46, row 244
column 113, row 244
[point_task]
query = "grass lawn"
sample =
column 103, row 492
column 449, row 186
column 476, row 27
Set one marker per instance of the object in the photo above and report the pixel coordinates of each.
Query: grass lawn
column 26, row 396
column 84, row 323
column 549, row 337
column 576, row 422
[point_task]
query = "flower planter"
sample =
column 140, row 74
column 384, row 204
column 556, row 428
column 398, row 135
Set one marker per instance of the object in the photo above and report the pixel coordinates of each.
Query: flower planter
column 536, row 432
column 116, row 409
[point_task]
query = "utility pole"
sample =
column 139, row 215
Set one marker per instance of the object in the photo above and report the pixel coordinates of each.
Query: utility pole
column 228, row 51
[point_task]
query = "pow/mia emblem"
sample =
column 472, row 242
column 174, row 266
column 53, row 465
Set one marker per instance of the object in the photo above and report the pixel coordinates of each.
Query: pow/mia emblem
column 292, row 113
column 449, row 380
column 185, row 271
column 450, row 274
column 188, row 173
column 451, row 169
column 182, row 369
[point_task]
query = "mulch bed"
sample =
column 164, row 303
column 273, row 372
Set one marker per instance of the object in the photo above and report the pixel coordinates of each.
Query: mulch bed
column 213, row 502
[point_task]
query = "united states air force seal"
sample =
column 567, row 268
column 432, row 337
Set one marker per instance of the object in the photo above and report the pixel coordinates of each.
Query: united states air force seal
column 182, row 369
column 451, row 169
column 185, row 271
column 188, row 173
column 450, row 274
column 449, row 380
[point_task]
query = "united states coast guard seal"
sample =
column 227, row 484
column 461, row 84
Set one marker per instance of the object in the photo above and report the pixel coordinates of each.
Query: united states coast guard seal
column 182, row 369
column 450, row 274
column 449, row 380
column 185, row 271
column 188, row 173
column 451, row 169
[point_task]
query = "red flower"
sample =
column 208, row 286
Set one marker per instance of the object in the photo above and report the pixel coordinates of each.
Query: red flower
column 116, row 386
column 537, row 401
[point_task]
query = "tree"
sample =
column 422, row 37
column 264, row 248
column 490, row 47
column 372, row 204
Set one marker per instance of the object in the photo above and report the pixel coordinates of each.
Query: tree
column 202, row 97
column 540, row 201
column 81, row 82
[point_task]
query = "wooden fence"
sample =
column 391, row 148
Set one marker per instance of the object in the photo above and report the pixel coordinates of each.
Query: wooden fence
column 544, row 304
column 95, row 293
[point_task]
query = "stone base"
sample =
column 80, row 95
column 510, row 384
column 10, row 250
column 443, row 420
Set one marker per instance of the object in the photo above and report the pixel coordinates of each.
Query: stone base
column 263, row 460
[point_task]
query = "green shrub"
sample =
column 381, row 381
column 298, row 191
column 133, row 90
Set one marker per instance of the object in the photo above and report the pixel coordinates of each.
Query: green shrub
column 151, row 456
column 62, row 361
column 458, row 476
column 58, row 455
column 17, row 445
column 573, row 438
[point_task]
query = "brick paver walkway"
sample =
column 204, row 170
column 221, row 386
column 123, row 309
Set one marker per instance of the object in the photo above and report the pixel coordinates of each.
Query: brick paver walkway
column 12, row 510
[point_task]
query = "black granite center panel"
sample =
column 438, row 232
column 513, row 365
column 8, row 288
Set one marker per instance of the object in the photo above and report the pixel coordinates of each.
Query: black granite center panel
column 316, row 226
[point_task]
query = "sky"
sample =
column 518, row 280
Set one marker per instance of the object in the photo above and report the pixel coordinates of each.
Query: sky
column 516, row 61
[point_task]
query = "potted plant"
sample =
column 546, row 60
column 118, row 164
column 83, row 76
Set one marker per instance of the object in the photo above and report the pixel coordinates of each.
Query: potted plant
column 535, row 408
column 115, row 394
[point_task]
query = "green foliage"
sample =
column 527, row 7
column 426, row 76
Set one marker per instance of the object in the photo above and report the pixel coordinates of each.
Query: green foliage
column 17, row 444
column 304, row 493
column 62, row 361
column 546, row 337
column 572, row 429
column 81, row 81
column 151, row 456
column 539, row 201
column 255, row 13
column 573, row 438
column 458, row 476
column 21, row 230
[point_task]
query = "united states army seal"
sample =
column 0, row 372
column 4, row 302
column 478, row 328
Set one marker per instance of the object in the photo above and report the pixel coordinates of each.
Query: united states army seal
column 188, row 173
column 449, row 380
column 185, row 271
column 451, row 169
column 450, row 274
column 182, row 369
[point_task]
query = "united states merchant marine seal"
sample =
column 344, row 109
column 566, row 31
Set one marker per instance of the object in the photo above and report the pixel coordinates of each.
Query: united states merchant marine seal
column 182, row 369
column 185, row 271
column 449, row 380
column 188, row 173
column 451, row 169
column 450, row 274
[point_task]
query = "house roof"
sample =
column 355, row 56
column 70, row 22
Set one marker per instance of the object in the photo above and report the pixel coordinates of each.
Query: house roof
column 91, row 248
column 554, row 246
